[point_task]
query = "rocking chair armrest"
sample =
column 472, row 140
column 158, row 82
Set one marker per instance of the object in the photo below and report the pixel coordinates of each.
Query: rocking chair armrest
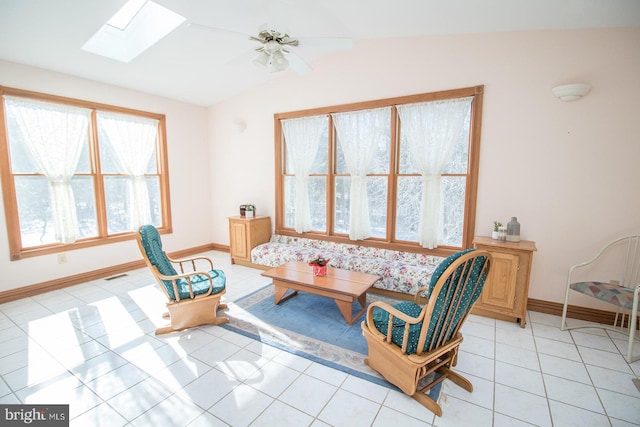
column 392, row 311
column 182, row 261
column 187, row 276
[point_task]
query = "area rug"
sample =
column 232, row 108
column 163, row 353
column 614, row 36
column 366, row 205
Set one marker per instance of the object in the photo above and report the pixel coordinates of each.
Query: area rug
column 310, row 326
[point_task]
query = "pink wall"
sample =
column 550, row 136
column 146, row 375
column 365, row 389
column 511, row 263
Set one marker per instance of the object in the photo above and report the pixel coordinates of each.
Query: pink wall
column 567, row 170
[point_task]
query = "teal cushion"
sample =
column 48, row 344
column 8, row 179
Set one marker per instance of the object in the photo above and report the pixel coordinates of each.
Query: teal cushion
column 381, row 322
column 153, row 248
column 200, row 284
column 464, row 299
column 467, row 296
column 152, row 244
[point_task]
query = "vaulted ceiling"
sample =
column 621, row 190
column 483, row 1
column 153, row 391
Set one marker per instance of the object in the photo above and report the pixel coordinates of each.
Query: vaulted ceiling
column 203, row 66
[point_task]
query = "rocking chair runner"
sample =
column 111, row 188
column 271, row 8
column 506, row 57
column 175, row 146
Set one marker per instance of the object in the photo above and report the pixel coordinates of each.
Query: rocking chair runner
column 194, row 296
column 408, row 341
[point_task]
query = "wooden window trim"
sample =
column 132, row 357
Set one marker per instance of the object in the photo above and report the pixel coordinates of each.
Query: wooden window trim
column 17, row 252
column 473, row 171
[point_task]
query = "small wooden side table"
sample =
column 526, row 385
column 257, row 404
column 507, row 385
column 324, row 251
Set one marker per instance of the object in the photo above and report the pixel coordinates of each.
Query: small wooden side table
column 506, row 290
column 245, row 234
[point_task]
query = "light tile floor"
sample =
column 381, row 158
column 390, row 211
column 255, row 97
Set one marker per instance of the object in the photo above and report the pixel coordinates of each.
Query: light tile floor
column 93, row 346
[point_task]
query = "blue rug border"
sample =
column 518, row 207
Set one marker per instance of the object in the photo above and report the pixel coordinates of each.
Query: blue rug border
column 361, row 375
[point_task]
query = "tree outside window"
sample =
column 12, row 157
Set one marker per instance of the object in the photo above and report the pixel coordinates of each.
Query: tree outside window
column 414, row 162
column 78, row 174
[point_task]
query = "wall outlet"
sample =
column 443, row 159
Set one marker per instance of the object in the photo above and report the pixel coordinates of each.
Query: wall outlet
column 62, row 258
column 615, row 282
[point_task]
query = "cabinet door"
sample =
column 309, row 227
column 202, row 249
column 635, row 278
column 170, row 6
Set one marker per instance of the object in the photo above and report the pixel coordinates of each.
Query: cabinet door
column 500, row 288
column 239, row 247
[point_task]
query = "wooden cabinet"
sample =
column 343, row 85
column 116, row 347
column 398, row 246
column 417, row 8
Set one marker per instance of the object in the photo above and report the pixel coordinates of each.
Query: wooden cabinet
column 506, row 290
column 245, row 234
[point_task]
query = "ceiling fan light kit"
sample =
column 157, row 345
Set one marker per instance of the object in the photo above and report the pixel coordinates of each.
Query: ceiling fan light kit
column 271, row 54
column 275, row 54
column 261, row 59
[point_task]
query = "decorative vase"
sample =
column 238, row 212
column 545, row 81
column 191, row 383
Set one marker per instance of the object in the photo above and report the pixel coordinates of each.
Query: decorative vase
column 249, row 214
column 495, row 235
column 513, row 230
column 319, row 270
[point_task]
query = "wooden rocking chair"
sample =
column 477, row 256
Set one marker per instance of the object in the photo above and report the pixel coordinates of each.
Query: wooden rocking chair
column 415, row 346
column 194, row 296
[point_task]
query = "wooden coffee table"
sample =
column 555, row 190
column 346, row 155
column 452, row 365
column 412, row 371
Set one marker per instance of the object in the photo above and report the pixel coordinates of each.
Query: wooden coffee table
column 343, row 286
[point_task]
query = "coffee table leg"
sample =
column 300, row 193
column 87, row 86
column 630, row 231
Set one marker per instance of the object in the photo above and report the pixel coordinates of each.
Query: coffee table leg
column 362, row 299
column 279, row 294
column 345, row 309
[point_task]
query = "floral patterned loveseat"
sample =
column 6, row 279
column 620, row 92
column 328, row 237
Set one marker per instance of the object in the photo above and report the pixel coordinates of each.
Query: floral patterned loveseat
column 403, row 272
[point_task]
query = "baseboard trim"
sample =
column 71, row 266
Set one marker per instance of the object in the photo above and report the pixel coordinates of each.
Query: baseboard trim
column 219, row 247
column 573, row 311
column 582, row 313
column 76, row 279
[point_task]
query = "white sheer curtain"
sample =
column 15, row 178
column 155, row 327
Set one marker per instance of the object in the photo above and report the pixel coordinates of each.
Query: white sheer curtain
column 303, row 137
column 54, row 135
column 133, row 140
column 358, row 134
column 431, row 130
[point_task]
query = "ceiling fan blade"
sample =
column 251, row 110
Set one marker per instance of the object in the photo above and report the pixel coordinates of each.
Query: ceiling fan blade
column 298, row 64
column 330, row 43
column 221, row 31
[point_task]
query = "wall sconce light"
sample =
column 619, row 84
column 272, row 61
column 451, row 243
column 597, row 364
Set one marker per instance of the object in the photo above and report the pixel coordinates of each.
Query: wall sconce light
column 239, row 125
column 571, row 92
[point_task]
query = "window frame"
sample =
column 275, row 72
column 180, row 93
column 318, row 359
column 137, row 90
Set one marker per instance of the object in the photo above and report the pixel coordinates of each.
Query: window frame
column 472, row 172
column 17, row 251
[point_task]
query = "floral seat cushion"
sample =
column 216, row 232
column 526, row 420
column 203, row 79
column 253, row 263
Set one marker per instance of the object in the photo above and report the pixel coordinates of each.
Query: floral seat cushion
column 400, row 271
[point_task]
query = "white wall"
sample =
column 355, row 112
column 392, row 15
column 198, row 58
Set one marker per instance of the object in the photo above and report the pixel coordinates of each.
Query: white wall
column 189, row 173
column 568, row 170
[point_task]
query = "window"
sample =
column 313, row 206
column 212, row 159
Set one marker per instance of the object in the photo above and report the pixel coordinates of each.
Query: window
column 77, row 174
column 398, row 172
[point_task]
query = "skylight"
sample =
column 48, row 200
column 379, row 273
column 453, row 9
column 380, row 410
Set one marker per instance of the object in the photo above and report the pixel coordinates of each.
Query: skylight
column 125, row 15
column 137, row 26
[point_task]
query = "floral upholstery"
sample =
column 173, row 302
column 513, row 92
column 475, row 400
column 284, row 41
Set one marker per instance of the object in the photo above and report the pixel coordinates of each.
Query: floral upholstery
column 400, row 271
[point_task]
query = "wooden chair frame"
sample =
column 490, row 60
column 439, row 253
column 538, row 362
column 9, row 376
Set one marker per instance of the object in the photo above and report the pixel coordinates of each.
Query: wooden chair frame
column 408, row 372
column 197, row 310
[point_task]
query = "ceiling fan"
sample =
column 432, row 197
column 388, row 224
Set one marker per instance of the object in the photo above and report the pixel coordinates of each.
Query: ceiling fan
column 274, row 52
